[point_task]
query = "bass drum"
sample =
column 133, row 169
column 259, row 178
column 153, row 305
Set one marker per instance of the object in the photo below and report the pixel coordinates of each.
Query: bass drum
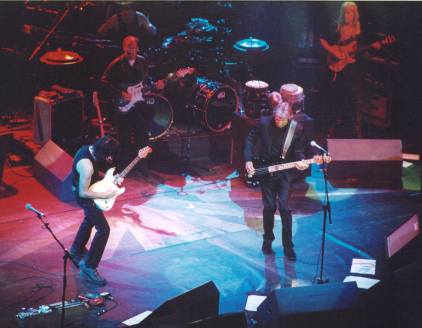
column 161, row 115
column 214, row 104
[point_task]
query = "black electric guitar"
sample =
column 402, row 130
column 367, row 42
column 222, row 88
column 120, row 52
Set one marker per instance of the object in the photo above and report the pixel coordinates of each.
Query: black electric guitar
column 263, row 170
column 137, row 91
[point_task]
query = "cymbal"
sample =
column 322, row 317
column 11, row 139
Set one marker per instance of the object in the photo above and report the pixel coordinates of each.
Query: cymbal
column 61, row 57
column 251, row 45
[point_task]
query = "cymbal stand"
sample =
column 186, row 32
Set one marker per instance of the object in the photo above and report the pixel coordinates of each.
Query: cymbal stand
column 50, row 32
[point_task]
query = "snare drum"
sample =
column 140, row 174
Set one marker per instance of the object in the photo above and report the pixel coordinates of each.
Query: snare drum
column 214, row 104
column 162, row 115
column 294, row 95
column 255, row 100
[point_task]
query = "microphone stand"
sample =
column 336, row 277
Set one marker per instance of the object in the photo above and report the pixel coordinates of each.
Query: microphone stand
column 65, row 257
column 327, row 213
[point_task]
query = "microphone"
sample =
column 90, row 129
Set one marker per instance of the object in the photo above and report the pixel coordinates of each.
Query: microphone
column 30, row 208
column 314, row 144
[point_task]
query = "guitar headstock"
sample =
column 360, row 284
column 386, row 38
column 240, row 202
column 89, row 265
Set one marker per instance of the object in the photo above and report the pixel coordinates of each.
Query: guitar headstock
column 95, row 99
column 144, row 152
column 182, row 72
column 319, row 159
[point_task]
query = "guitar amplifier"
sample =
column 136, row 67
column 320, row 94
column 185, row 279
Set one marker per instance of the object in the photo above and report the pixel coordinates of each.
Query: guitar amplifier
column 58, row 115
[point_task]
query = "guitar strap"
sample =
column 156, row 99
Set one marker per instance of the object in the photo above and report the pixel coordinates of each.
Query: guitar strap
column 289, row 137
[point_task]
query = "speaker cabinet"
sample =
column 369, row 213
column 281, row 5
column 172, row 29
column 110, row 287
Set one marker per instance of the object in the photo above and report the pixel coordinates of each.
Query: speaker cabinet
column 404, row 244
column 365, row 162
column 226, row 320
column 196, row 304
column 377, row 94
column 57, row 117
column 328, row 305
column 53, row 169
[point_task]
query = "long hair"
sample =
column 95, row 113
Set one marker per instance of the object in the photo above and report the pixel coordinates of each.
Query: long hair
column 356, row 20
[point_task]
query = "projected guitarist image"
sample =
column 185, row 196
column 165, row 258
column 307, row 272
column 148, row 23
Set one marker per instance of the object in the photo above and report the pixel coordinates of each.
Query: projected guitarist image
column 124, row 81
column 93, row 196
column 281, row 141
column 343, row 50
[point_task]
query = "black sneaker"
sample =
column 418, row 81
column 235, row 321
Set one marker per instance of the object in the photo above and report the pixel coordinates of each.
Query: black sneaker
column 267, row 248
column 91, row 274
column 290, row 254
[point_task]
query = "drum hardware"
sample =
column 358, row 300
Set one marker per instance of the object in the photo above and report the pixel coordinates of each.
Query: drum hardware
column 214, row 104
column 61, row 57
column 255, row 99
column 250, row 52
column 251, row 45
column 162, row 115
column 62, row 67
column 293, row 94
column 50, row 32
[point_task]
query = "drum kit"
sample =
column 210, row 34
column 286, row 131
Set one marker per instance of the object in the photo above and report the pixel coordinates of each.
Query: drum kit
column 210, row 102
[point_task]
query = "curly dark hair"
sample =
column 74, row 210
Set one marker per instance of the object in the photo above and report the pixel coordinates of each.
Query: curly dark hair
column 104, row 147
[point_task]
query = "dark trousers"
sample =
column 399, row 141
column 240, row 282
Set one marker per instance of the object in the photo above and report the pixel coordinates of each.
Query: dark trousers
column 135, row 122
column 93, row 218
column 277, row 190
column 344, row 101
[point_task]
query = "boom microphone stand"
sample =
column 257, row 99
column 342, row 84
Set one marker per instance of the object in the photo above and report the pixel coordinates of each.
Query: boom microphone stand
column 65, row 257
column 327, row 213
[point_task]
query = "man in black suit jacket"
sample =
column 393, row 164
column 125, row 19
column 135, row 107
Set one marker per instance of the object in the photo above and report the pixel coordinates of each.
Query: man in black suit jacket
column 271, row 131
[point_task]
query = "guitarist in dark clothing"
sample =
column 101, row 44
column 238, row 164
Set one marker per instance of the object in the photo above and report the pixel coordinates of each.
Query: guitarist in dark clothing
column 344, row 87
column 85, row 172
column 272, row 132
column 127, row 70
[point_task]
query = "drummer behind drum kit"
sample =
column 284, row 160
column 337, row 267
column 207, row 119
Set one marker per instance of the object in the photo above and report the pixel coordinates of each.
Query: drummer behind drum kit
column 210, row 103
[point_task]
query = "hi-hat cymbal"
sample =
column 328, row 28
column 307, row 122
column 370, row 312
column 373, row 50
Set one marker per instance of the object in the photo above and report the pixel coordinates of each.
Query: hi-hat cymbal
column 61, row 57
column 251, row 45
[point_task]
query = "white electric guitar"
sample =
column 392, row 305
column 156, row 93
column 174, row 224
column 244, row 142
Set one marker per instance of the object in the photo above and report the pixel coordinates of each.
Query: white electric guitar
column 136, row 93
column 110, row 181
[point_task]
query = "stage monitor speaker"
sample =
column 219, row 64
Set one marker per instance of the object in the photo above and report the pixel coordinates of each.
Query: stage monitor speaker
column 404, row 244
column 327, row 305
column 57, row 117
column 365, row 162
column 226, row 320
column 196, row 304
column 53, row 169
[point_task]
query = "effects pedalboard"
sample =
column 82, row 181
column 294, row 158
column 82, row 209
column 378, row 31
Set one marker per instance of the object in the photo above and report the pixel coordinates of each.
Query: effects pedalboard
column 82, row 305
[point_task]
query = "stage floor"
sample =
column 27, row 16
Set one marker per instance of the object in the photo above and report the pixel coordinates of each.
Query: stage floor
column 185, row 225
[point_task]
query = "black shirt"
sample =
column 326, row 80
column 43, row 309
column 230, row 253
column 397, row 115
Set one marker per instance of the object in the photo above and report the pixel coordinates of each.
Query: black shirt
column 119, row 74
column 83, row 153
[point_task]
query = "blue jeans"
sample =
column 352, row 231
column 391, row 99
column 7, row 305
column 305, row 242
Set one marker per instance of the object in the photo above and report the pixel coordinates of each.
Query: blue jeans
column 93, row 218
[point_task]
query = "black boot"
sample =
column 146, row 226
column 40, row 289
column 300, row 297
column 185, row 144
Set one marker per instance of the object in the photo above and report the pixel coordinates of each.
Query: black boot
column 290, row 253
column 267, row 248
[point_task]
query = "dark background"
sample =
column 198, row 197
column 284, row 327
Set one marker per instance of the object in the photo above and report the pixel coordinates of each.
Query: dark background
column 291, row 29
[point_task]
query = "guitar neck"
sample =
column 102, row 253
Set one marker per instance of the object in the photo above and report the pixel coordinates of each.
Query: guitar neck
column 129, row 167
column 287, row 166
